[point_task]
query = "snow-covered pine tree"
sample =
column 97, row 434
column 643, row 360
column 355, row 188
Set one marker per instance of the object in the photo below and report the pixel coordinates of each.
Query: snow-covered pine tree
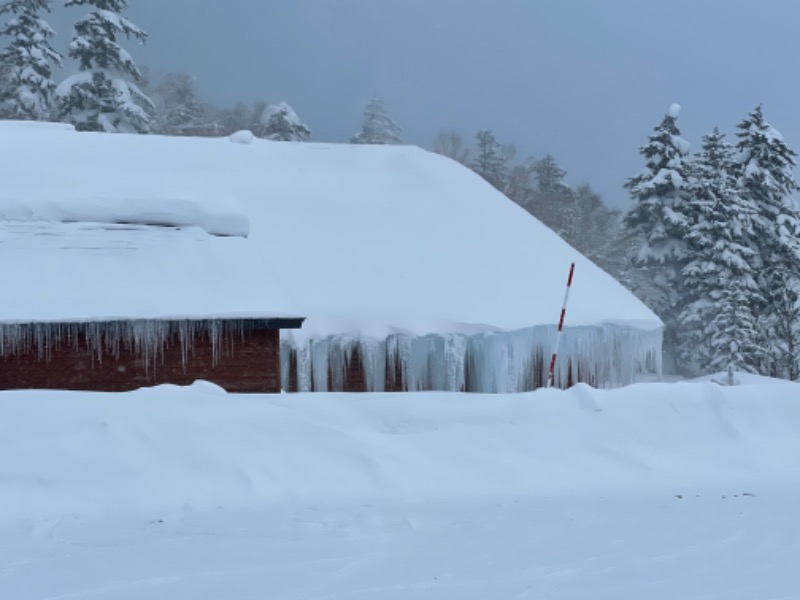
column 554, row 201
column 731, row 333
column 520, row 183
column 233, row 119
column 594, row 229
column 785, row 326
column 451, row 145
column 549, row 175
column 490, row 162
column 26, row 90
column 765, row 180
column 377, row 127
column 280, row 123
column 4, row 84
column 104, row 96
column 721, row 296
column 179, row 110
column 657, row 224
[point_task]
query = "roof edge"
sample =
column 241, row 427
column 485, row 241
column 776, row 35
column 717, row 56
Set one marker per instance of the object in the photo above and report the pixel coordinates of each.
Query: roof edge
column 247, row 322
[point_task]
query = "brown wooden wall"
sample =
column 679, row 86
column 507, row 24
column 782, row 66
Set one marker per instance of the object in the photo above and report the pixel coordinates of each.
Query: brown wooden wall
column 249, row 362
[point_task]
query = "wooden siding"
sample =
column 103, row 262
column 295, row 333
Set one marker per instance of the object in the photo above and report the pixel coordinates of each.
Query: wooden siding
column 248, row 362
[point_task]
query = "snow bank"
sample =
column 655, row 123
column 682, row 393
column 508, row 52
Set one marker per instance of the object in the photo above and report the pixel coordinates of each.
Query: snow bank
column 740, row 378
column 342, row 234
column 245, row 137
column 168, row 448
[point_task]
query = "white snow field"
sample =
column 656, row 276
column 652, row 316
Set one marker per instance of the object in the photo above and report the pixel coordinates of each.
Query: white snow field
column 364, row 241
column 655, row 491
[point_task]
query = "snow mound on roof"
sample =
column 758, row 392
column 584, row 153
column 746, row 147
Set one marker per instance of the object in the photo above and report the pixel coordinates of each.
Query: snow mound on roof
column 94, row 272
column 226, row 217
column 71, row 187
column 388, row 235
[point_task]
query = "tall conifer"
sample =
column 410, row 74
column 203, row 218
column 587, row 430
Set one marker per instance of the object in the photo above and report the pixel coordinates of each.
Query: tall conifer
column 104, row 96
column 26, row 64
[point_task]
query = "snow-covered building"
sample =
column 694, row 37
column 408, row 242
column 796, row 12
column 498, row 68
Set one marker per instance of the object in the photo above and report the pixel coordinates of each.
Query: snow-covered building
column 144, row 259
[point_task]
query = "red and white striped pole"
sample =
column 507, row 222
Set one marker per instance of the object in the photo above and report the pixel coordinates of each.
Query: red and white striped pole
column 551, row 375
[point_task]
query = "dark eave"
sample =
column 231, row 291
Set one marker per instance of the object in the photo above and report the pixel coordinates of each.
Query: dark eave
column 286, row 323
column 246, row 323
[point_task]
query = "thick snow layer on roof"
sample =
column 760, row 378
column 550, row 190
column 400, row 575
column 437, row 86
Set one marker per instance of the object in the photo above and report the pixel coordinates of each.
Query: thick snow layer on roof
column 94, row 271
column 391, row 236
column 51, row 179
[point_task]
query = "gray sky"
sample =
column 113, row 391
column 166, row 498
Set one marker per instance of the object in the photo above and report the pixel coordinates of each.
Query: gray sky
column 584, row 80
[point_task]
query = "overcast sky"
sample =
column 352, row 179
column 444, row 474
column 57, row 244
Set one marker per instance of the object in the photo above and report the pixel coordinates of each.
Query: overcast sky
column 583, row 80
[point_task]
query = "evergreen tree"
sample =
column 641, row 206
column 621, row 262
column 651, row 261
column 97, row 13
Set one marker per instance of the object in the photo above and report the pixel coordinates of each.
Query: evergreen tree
column 519, row 184
column 451, row 144
column 721, row 296
column 4, row 84
column 731, row 331
column 490, row 160
column 103, row 96
column 233, row 119
column 378, row 127
column 178, row 108
column 280, row 123
column 553, row 200
column 594, row 229
column 549, row 176
column 784, row 327
column 26, row 90
column 657, row 224
column 764, row 168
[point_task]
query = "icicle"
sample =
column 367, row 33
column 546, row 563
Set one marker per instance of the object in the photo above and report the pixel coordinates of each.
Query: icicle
column 606, row 356
column 496, row 362
column 319, row 362
column 373, row 359
column 145, row 338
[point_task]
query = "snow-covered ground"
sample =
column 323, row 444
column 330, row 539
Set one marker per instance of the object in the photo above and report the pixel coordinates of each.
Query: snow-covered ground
column 557, row 548
column 656, row 491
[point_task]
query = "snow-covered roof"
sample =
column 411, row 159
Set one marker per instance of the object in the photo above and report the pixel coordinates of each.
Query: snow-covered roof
column 352, row 237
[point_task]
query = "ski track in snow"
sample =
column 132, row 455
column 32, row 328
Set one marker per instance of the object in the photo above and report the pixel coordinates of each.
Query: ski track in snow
column 656, row 546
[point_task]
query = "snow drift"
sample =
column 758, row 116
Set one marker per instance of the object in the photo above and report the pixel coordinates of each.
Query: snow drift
column 167, row 448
